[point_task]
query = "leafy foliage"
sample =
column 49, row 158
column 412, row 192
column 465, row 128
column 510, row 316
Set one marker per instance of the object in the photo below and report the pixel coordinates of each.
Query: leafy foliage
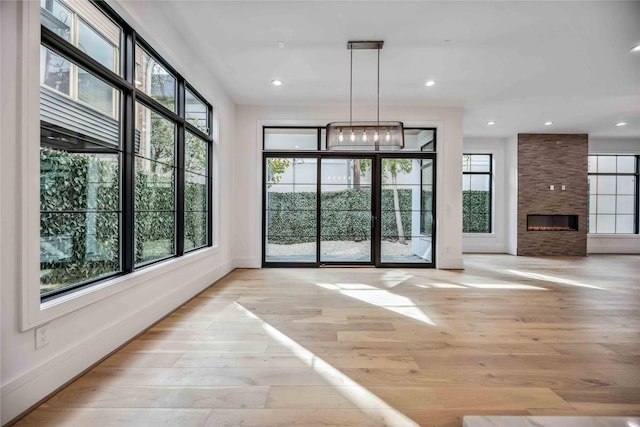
column 80, row 215
column 79, row 224
column 475, row 211
column 275, row 168
column 346, row 215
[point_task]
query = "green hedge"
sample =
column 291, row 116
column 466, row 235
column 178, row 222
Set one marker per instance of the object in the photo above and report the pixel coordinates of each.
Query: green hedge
column 84, row 244
column 346, row 215
column 476, row 206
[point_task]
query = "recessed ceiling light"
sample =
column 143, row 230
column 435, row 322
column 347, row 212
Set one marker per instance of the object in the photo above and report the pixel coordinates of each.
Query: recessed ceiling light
column 636, row 48
column 276, row 82
column 430, row 83
column 280, row 44
column 548, row 123
column 491, row 123
column 621, row 124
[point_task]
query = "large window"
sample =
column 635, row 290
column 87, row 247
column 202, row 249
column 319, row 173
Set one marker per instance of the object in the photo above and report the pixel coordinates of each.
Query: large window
column 364, row 208
column 125, row 159
column 476, row 193
column 613, row 194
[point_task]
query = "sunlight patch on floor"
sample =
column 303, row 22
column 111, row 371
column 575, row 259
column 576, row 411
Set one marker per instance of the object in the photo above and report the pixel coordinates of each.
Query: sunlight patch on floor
column 362, row 398
column 548, row 278
column 380, row 298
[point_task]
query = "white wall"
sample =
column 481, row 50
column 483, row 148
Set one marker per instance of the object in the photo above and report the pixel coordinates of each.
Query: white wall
column 248, row 208
column 613, row 243
column 85, row 329
column 511, row 165
column 496, row 241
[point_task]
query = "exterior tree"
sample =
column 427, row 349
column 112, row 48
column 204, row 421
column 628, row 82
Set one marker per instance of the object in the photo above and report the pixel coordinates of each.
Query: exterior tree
column 275, row 169
column 391, row 168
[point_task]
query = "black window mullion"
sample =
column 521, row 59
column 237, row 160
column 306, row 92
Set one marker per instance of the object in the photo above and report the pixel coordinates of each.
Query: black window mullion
column 210, row 178
column 154, row 105
column 197, row 132
column 128, row 117
column 637, row 198
column 180, row 173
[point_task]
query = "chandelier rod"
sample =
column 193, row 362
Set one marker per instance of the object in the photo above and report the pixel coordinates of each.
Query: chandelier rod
column 378, row 84
column 351, row 90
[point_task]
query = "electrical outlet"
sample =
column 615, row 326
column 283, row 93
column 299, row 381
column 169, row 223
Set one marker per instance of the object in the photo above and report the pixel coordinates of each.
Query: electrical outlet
column 42, row 336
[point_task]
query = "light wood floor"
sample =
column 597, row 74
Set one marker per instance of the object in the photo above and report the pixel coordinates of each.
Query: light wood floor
column 368, row 347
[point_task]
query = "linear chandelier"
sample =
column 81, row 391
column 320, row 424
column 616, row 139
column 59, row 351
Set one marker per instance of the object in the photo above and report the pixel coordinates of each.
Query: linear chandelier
column 363, row 135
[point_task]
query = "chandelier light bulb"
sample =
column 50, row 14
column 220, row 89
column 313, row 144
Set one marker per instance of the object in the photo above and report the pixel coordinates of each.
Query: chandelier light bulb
column 376, row 137
column 353, row 135
column 388, row 137
column 364, row 135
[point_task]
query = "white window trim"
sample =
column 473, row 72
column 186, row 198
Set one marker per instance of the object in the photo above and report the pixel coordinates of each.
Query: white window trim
column 32, row 311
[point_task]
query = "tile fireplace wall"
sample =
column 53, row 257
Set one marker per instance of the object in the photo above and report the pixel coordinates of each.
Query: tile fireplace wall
column 545, row 160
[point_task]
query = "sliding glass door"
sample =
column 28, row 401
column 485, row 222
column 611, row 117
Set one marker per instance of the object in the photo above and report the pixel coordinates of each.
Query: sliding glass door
column 290, row 213
column 361, row 209
column 406, row 205
column 346, row 218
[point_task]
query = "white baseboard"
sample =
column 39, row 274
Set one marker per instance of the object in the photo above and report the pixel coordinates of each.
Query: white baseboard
column 613, row 244
column 27, row 390
column 247, row 262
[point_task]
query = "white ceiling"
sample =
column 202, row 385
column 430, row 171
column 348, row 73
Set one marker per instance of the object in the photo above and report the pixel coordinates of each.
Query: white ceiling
column 518, row 63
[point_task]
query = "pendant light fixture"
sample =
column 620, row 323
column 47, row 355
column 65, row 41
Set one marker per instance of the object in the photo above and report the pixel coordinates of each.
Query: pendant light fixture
column 364, row 135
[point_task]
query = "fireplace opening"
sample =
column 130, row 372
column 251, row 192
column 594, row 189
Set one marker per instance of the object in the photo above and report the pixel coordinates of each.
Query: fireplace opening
column 552, row 222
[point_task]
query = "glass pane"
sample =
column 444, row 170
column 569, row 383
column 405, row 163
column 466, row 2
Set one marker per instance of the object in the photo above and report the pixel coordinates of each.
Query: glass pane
column 593, row 164
column 625, row 204
column 80, row 217
column 154, row 206
column 626, row 184
column 97, row 46
column 626, row 164
column 79, row 182
column 195, row 229
column 624, row 224
column 419, row 139
column 195, row 192
column 345, row 210
column 196, row 112
column 479, row 183
column 606, row 185
column 98, row 94
column 154, row 235
column 54, row 71
column 607, row 164
column 606, row 224
column 154, row 80
column 593, row 205
column 480, row 163
column 290, row 139
column 291, row 211
column 56, row 17
column 591, row 224
column 195, row 152
column 155, row 184
column 592, row 184
column 606, row 204
column 466, row 182
column 406, row 217
column 156, row 136
column 77, row 247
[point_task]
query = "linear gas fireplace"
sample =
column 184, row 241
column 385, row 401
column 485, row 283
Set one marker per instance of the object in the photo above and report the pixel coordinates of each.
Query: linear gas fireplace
column 552, row 222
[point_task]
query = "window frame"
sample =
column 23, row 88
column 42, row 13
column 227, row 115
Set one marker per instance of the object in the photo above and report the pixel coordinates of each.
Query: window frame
column 490, row 175
column 123, row 80
column 636, row 202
